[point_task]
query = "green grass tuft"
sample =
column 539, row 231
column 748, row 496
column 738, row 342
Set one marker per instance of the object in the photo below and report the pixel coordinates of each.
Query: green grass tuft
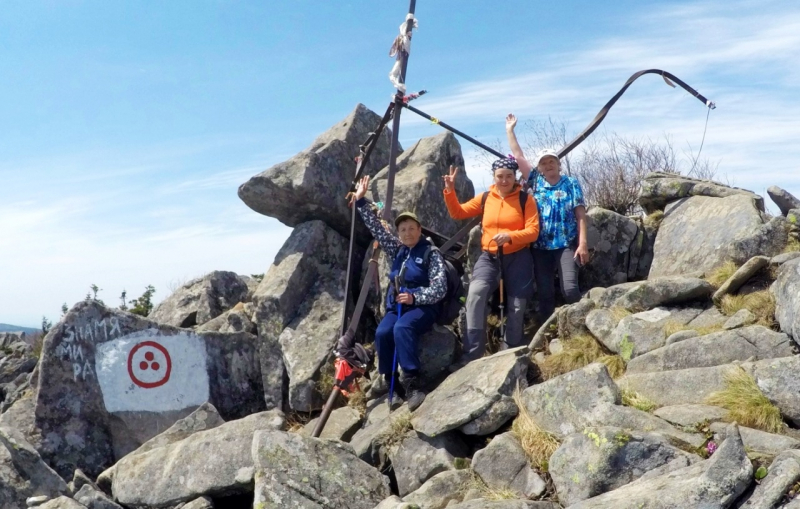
column 633, row 399
column 746, row 404
column 721, row 274
column 761, row 304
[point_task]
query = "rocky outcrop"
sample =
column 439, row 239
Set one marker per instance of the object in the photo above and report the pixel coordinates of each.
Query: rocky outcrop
column 613, row 238
column 786, row 291
column 213, row 462
column 714, row 483
column 313, row 184
column 201, row 299
column 418, row 182
column 475, row 398
column 741, row 276
column 701, row 233
column 659, row 189
column 599, row 460
column 418, row 458
column 785, row 200
column 110, row 380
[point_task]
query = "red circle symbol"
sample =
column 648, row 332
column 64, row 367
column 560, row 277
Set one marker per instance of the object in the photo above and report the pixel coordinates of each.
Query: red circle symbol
column 149, row 368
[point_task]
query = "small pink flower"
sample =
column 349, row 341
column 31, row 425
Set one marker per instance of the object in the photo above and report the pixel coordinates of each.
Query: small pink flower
column 711, row 447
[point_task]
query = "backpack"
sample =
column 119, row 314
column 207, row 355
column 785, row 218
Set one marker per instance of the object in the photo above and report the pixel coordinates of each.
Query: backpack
column 456, row 295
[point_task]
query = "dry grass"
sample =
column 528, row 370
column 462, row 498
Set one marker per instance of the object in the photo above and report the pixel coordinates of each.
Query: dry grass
column 327, row 378
column 633, row 399
column 618, row 313
column 761, row 304
column 295, row 421
column 537, row 443
column 614, row 363
column 746, row 404
column 654, row 220
column 792, row 245
column 399, row 427
column 672, row 327
column 358, row 400
column 577, row 352
column 721, row 274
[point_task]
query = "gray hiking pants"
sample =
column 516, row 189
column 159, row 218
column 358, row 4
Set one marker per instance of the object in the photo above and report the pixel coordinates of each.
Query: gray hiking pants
column 518, row 283
column 545, row 264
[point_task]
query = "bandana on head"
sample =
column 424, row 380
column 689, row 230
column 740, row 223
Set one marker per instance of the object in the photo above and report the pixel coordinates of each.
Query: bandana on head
column 506, row 162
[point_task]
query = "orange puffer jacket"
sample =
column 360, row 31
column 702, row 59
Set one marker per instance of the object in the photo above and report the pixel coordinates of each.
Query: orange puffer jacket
column 500, row 215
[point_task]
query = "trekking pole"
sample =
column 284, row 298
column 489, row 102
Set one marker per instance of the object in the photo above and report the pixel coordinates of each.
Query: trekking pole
column 502, row 298
column 394, row 359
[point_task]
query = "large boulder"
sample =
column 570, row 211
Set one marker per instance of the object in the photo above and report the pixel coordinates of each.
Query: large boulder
column 588, row 397
column 23, row 474
column 785, row 200
column 110, row 380
column 201, row 299
column 720, row 229
column 712, row 484
column 418, row 182
column 307, row 344
column 480, row 391
column 503, row 465
column 418, row 458
column 313, row 184
column 598, row 460
column 296, row 471
column 313, row 252
column 659, row 189
column 786, row 291
column 749, row 343
column 215, row 462
column 612, row 236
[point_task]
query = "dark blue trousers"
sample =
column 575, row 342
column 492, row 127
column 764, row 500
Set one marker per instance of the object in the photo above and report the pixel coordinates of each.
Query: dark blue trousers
column 403, row 333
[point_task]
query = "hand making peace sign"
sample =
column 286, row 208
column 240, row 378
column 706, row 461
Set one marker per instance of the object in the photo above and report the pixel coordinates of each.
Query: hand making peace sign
column 450, row 180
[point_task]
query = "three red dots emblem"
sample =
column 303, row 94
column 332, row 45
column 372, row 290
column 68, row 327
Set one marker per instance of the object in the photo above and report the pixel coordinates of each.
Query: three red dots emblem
column 149, row 365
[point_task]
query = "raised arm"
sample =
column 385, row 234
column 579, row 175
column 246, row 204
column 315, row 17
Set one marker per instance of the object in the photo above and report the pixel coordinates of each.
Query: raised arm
column 438, row 282
column 457, row 210
column 524, row 166
column 377, row 228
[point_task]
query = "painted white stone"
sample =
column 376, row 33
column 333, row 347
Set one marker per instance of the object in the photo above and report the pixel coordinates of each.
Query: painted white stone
column 146, row 371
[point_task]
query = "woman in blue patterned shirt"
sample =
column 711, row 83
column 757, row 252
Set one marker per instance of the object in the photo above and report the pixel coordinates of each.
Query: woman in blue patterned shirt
column 562, row 224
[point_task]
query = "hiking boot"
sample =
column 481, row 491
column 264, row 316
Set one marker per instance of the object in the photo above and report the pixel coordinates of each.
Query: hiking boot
column 414, row 396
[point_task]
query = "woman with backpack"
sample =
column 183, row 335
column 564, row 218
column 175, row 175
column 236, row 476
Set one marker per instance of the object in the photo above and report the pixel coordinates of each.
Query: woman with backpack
column 562, row 243
column 413, row 295
column 510, row 223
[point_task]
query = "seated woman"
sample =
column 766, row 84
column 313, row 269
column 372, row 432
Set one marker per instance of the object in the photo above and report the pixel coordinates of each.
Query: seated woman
column 421, row 290
column 562, row 212
column 510, row 223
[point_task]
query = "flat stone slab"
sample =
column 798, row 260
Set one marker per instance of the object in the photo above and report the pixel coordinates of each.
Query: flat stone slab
column 471, row 391
column 749, row 343
column 741, row 276
column 756, row 440
column 690, row 415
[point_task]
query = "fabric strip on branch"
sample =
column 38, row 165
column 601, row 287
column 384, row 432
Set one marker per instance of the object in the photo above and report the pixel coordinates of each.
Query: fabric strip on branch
column 401, row 44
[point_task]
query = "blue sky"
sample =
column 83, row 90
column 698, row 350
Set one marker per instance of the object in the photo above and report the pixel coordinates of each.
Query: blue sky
column 127, row 127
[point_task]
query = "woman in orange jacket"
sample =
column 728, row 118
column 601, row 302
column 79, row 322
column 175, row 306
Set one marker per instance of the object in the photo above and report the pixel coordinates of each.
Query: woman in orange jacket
column 510, row 222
